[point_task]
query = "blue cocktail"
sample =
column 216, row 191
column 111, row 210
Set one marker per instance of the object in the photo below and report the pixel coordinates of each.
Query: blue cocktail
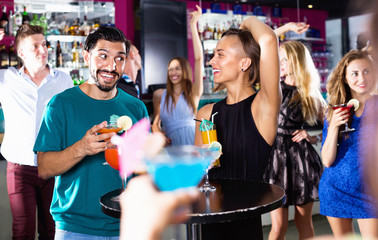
column 179, row 167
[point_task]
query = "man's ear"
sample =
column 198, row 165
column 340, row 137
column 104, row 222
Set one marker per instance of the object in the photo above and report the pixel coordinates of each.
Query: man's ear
column 131, row 55
column 20, row 53
column 86, row 57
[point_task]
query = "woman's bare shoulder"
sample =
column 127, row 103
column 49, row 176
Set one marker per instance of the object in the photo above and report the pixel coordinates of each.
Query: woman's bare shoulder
column 158, row 93
column 205, row 111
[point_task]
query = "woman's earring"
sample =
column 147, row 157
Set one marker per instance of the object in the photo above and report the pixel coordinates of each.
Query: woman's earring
column 242, row 70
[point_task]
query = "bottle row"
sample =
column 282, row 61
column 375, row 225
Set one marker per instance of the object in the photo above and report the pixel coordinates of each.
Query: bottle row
column 8, row 57
column 256, row 10
column 77, row 27
column 66, row 55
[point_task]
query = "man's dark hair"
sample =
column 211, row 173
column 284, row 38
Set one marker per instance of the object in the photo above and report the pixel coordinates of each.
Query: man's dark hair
column 111, row 34
column 25, row 31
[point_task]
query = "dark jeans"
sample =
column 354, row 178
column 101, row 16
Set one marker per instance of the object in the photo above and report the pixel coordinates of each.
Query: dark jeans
column 28, row 193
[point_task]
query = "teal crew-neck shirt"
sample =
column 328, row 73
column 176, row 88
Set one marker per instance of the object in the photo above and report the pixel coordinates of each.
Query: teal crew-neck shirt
column 69, row 115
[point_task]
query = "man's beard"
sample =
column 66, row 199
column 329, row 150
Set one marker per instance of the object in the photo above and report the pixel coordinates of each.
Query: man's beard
column 103, row 87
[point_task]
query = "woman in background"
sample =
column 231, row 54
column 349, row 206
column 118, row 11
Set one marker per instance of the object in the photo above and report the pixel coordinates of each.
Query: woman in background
column 294, row 164
column 341, row 194
column 175, row 107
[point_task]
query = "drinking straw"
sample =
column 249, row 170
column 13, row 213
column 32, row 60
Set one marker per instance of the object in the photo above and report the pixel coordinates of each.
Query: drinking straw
column 212, row 117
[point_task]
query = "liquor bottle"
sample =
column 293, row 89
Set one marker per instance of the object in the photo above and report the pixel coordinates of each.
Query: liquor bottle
column 277, row 12
column 10, row 23
column 52, row 55
column 74, row 29
column 96, row 24
column 81, row 58
column 17, row 21
column 257, row 10
column 62, row 25
column 59, row 55
column 43, row 23
column 4, row 21
column 75, row 55
column 53, row 27
column 35, row 21
column 13, row 59
column 25, row 17
column 215, row 33
column 85, row 28
column 4, row 57
column 219, row 35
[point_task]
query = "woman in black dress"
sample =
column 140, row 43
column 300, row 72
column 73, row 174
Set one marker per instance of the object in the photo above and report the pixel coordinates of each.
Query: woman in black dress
column 246, row 122
column 294, row 164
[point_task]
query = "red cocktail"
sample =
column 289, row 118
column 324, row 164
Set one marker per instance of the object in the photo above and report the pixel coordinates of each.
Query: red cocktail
column 344, row 107
column 111, row 157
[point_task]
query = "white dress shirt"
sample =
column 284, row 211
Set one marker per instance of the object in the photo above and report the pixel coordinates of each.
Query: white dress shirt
column 23, row 103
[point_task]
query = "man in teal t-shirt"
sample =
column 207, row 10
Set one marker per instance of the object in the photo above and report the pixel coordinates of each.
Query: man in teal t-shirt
column 69, row 147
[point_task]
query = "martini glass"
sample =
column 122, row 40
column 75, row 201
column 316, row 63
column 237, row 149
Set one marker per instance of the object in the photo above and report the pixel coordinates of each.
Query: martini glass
column 343, row 107
column 179, row 167
column 111, row 157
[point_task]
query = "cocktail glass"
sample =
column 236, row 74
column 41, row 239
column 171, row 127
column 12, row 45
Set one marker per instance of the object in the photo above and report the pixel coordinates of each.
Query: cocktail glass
column 209, row 136
column 179, row 167
column 111, row 157
column 109, row 128
column 343, row 107
column 111, row 154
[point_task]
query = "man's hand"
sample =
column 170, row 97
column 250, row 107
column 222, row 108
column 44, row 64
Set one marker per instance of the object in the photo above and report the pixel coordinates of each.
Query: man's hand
column 93, row 143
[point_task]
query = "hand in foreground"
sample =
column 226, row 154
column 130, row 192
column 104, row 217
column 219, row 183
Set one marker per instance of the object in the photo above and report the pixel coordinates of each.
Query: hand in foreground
column 146, row 212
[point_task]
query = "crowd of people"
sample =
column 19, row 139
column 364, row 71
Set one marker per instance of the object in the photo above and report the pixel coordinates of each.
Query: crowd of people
column 55, row 170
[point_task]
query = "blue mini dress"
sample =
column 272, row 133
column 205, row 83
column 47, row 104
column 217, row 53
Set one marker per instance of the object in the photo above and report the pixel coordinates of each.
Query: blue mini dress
column 341, row 187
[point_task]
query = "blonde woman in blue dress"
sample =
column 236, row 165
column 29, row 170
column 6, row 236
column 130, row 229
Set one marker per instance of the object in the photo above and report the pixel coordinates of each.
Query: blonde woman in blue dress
column 175, row 107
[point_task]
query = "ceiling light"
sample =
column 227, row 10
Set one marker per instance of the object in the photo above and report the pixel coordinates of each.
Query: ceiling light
column 309, row 6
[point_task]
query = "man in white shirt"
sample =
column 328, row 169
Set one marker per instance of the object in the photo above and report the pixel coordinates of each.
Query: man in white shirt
column 128, row 81
column 24, row 94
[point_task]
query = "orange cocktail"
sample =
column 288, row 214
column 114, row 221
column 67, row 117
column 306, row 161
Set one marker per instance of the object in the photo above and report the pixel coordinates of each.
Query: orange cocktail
column 109, row 129
column 209, row 137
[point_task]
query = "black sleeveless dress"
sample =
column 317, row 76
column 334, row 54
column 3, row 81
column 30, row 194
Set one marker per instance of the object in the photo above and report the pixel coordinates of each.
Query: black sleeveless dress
column 245, row 156
column 245, row 152
column 296, row 167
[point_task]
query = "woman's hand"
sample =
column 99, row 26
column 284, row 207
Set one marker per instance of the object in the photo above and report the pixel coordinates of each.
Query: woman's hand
column 301, row 134
column 298, row 27
column 339, row 117
column 195, row 15
column 156, row 126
